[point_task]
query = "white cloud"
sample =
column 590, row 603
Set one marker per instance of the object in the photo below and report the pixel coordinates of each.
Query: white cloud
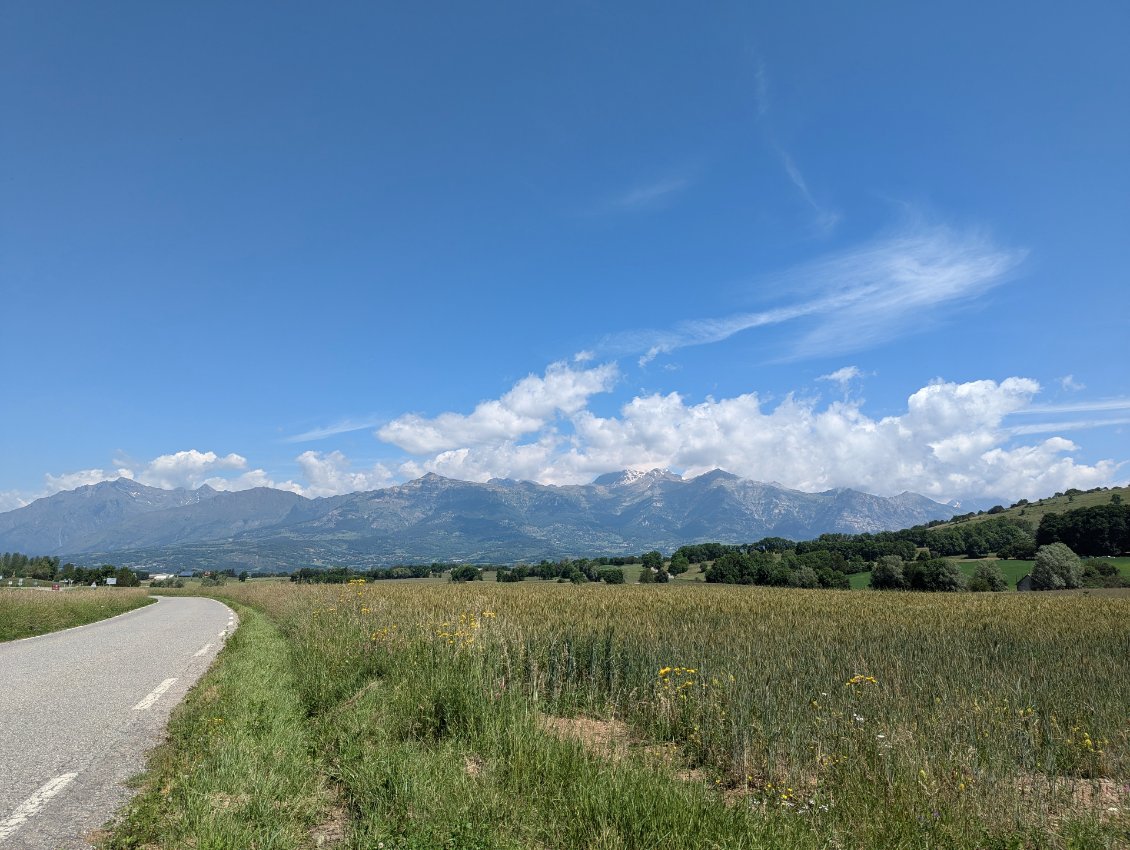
column 1069, row 383
column 189, row 469
column 529, row 406
column 842, row 376
column 330, row 474
column 950, row 441
column 855, row 299
column 10, row 500
column 186, row 469
column 82, row 478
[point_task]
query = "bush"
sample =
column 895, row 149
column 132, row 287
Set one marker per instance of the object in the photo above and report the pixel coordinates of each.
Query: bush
column 804, row 577
column 611, row 575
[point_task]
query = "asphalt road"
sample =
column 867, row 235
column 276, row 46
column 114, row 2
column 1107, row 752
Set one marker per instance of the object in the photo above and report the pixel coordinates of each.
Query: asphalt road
column 80, row 708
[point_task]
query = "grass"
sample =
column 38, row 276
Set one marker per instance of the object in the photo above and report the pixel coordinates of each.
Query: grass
column 1034, row 511
column 237, row 769
column 26, row 613
column 752, row 717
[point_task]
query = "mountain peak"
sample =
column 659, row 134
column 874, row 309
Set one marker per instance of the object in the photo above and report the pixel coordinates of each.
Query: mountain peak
column 628, row 477
column 717, row 475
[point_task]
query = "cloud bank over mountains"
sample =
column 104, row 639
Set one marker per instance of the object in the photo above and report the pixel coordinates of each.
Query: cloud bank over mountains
column 952, row 440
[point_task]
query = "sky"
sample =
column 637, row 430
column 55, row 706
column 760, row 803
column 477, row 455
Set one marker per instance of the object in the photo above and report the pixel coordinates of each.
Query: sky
column 333, row 247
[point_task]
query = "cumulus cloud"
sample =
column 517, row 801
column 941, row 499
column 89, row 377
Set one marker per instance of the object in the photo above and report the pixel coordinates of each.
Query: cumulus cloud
column 82, row 478
column 10, row 500
column 189, row 469
column 529, row 406
column 854, row 299
column 186, row 469
column 950, row 441
column 329, row 474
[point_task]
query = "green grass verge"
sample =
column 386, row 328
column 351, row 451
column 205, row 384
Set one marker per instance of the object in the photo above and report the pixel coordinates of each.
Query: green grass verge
column 27, row 613
column 237, row 770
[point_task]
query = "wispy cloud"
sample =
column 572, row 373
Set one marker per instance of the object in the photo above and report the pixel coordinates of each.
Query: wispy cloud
column 854, row 299
column 1056, row 427
column 1069, row 383
column 649, row 196
column 343, row 426
column 1098, row 406
column 826, row 218
column 843, row 376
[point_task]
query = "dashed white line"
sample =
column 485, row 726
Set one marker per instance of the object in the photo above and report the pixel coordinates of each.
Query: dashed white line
column 204, row 649
column 154, row 695
column 33, row 804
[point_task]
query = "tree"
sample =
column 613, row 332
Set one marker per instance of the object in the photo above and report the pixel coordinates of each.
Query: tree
column 1056, row 567
column 653, row 559
column 647, row 576
column 126, row 577
column 887, row 574
column 935, row 575
column 988, row 577
column 243, row 575
column 466, row 573
column 804, row 577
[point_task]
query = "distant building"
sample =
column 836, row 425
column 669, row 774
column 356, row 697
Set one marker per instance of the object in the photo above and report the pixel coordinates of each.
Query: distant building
column 1025, row 582
column 184, row 574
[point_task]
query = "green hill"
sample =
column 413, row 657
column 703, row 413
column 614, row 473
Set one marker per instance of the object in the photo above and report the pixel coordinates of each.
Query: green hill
column 1032, row 512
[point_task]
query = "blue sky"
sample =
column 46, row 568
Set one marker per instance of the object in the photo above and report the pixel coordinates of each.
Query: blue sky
column 335, row 246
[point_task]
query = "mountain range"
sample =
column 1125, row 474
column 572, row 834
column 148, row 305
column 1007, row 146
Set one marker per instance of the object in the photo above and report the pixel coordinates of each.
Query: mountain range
column 435, row 518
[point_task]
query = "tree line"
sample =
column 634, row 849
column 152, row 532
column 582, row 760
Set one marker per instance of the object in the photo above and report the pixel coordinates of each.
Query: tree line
column 47, row 568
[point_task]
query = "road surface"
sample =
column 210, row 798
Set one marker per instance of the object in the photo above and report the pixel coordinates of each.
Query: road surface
column 80, row 708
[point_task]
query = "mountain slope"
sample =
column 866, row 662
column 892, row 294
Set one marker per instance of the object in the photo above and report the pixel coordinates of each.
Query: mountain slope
column 436, row 518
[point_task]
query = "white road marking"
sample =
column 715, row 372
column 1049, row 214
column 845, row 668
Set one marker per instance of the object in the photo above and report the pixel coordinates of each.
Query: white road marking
column 154, row 695
column 33, row 804
column 202, row 650
column 221, row 634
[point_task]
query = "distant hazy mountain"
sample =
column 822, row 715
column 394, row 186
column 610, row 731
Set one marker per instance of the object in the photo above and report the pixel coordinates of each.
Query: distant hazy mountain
column 435, row 518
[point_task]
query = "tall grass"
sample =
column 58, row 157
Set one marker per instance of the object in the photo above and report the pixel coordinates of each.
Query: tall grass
column 757, row 716
column 26, row 613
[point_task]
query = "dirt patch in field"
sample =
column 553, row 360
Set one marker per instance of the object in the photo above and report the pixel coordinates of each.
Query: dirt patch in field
column 473, row 765
column 605, row 738
column 1105, row 796
column 331, row 832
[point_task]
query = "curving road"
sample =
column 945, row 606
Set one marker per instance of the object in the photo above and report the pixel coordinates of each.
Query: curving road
column 80, row 708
